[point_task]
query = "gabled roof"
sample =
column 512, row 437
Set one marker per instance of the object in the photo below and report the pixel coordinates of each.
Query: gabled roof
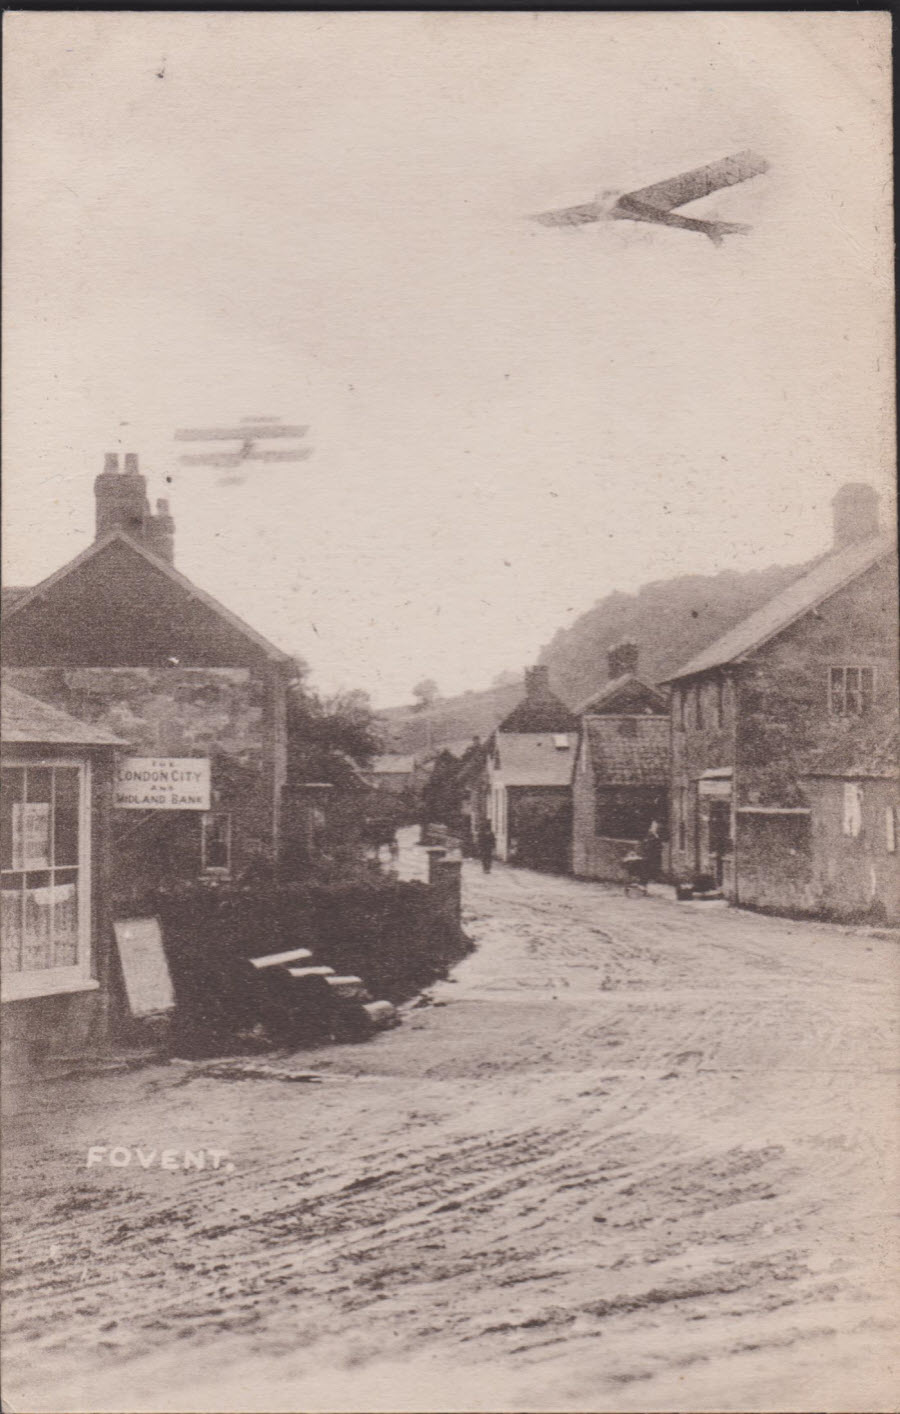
column 117, row 538
column 625, row 694
column 641, row 759
column 543, row 712
column 534, row 759
column 26, row 719
column 826, row 578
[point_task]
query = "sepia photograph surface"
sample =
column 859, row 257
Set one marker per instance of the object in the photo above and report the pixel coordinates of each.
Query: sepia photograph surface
column 450, row 725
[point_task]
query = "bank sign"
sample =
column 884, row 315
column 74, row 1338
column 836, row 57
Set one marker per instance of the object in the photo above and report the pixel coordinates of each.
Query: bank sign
column 162, row 783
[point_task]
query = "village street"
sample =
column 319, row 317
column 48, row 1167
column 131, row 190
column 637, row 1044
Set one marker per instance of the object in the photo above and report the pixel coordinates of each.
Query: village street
column 636, row 1155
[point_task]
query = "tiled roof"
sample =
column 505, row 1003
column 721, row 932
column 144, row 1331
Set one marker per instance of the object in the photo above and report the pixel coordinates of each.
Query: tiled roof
column 627, row 693
column 543, row 712
column 534, row 759
column 865, row 750
column 638, row 760
column 823, row 580
column 26, row 719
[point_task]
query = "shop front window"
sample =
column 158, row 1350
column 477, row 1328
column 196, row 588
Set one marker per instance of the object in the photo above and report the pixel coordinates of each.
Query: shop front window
column 44, row 843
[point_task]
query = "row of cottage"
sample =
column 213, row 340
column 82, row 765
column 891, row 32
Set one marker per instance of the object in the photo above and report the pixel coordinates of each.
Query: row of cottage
column 769, row 761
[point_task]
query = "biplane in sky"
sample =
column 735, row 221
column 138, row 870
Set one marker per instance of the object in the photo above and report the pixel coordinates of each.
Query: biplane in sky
column 659, row 203
column 251, row 431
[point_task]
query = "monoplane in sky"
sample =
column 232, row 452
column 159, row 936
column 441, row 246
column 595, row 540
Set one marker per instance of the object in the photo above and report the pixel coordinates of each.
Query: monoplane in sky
column 658, row 203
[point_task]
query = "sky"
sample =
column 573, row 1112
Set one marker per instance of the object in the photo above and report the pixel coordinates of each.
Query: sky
column 220, row 215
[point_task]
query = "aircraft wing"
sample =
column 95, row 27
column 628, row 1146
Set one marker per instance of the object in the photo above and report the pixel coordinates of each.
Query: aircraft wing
column 569, row 215
column 690, row 186
column 300, row 455
column 228, row 459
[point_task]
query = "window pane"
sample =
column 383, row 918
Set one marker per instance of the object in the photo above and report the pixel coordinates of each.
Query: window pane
column 12, row 794
column 65, row 921
column 837, row 690
column 11, row 923
column 65, row 832
column 37, row 945
column 31, row 823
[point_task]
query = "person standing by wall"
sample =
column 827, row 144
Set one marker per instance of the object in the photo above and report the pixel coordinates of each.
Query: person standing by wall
column 487, row 843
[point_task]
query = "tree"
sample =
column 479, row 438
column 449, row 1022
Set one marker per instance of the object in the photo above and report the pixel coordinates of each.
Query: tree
column 425, row 693
column 329, row 739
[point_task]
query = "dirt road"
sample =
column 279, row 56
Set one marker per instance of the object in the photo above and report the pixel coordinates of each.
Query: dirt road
column 636, row 1156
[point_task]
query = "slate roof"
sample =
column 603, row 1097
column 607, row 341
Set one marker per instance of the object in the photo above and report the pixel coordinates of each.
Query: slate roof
column 821, row 582
column 390, row 765
column 625, row 694
column 639, row 760
column 533, row 758
column 542, row 712
column 35, row 593
column 866, row 750
column 26, row 719
column 11, row 593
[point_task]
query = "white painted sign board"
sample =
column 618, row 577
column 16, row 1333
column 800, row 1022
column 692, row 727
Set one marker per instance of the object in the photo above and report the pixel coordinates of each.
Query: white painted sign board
column 148, row 982
column 162, row 783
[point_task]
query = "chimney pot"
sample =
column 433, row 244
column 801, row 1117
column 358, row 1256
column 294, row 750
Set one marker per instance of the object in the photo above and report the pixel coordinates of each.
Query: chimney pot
column 855, row 510
column 622, row 658
column 537, row 680
column 111, row 463
column 131, row 464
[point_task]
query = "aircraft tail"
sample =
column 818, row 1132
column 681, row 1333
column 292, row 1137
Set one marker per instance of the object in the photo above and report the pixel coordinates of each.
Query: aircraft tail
column 718, row 230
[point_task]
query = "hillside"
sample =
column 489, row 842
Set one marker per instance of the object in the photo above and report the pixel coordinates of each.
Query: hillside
column 670, row 620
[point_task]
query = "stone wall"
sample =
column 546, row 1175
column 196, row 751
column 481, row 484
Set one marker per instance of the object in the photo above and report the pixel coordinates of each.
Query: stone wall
column 234, row 716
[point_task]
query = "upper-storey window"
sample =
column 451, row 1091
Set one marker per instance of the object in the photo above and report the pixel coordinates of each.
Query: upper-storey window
column 850, row 691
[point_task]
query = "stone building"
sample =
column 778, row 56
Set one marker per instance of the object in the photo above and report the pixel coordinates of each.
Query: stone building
column 529, row 778
column 752, row 712
column 621, row 780
column 120, row 639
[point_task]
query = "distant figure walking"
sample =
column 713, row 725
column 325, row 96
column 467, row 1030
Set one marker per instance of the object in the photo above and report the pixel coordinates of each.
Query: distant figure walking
column 487, row 843
column 394, row 848
column 651, row 849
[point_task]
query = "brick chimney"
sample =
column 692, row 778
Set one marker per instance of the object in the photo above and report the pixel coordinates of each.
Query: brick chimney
column 855, row 514
column 159, row 532
column 622, row 658
column 120, row 498
column 537, row 681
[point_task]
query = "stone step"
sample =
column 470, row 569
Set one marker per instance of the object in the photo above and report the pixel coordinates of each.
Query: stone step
column 311, row 971
column 281, row 959
column 349, row 989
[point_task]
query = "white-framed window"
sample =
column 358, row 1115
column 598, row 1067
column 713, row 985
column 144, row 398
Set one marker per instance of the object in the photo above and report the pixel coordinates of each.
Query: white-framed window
column 850, row 691
column 215, row 843
column 45, row 854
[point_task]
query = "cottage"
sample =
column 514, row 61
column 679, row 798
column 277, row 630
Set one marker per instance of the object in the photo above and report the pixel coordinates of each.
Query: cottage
column 56, row 851
column 392, row 773
column 529, row 778
column 621, row 780
column 751, row 713
column 119, row 638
